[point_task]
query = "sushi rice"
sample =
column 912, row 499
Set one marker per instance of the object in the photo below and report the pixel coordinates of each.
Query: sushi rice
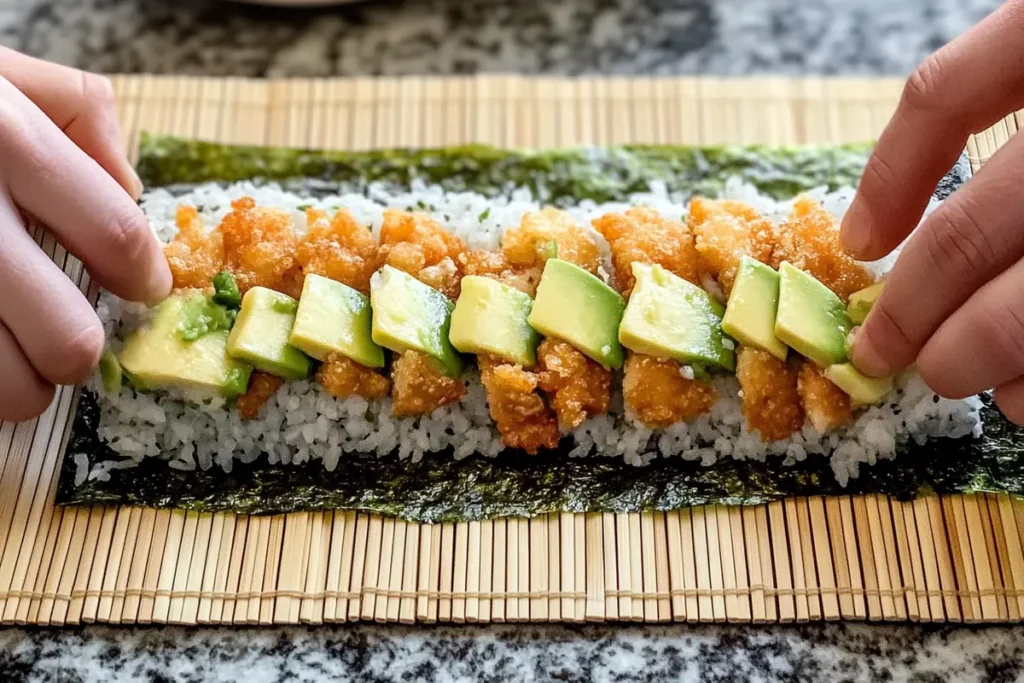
column 302, row 422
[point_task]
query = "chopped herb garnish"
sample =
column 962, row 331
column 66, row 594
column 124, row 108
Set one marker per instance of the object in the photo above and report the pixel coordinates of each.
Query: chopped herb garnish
column 485, row 215
column 226, row 290
column 288, row 306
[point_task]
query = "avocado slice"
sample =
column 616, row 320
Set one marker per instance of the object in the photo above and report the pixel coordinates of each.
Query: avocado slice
column 334, row 318
column 411, row 316
column 110, row 372
column 668, row 317
column 753, row 302
column 811, row 319
column 261, row 331
column 491, row 317
column 862, row 301
column 577, row 307
column 860, row 387
column 155, row 355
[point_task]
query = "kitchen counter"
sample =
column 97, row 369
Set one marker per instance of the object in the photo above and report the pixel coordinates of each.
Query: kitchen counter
column 466, row 36
column 394, row 37
column 834, row 652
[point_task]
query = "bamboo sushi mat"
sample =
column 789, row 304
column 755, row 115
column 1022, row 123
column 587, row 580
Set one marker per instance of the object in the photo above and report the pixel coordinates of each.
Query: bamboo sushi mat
column 956, row 558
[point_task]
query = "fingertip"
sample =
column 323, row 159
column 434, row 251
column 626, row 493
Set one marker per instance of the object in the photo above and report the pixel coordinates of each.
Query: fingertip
column 161, row 282
column 865, row 355
column 30, row 404
column 1009, row 398
column 855, row 231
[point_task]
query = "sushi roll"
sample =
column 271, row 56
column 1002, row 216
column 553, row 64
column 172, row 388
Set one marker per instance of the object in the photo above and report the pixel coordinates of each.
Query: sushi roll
column 537, row 388
column 658, row 391
column 384, row 315
column 412, row 296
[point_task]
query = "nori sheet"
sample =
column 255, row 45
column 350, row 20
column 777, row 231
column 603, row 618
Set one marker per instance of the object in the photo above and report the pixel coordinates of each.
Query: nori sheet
column 439, row 488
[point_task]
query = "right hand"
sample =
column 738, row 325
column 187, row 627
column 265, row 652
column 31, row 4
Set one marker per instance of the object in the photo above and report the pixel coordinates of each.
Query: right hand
column 61, row 162
column 952, row 302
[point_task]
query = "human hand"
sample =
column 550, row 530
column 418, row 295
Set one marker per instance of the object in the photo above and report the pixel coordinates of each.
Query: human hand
column 61, row 163
column 955, row 299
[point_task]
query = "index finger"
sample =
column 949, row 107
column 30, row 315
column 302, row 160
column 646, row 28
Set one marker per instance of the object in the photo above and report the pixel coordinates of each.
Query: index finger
column 971, row 238
column 81, row 104
column 961, row 89
column 66, row 190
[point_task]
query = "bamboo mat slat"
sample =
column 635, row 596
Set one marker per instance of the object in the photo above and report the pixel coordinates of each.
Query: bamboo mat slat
column 956, row 558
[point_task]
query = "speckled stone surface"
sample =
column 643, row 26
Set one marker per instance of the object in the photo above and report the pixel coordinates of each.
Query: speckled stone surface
column 515, row 653
column 530, row 36
column 461, row 36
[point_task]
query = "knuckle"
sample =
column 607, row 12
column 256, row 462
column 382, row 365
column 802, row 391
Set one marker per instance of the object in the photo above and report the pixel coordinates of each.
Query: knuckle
column 888, row 332
column 958, row 245
column 97, row 91
column 923, row 90
column 128, row 233
column 1001, row 328
column 77, row 354
column 879, row 172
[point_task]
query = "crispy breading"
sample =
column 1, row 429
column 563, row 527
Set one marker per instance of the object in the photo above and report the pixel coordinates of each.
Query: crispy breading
column 520, row 414
column 259, row 246
column 195, row 254
column 417, row 244
column 338, row 248
column 419, row 387
column 529, row 245
column 827, row 406
column 658, row 395
column 724, row 232
column 343, row 377
column 643, row 235
column 810, row 241
column 261, row 389
column 771, row 404
column 494, row 265
column 577, row 387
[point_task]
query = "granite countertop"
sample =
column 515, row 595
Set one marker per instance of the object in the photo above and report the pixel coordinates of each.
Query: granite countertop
column 529, row 36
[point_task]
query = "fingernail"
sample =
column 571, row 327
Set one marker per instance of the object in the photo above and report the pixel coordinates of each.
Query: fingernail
column 161, row 282
column 135, row 186
column 865, row 356
column 855, row 232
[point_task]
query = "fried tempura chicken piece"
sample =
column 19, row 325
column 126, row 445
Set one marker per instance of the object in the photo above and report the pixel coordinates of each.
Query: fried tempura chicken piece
column 643, row 235
column 726, row 231
column 418, row 245
column 343, row 377
column 529, row 245
column 518, row 411
column 658, row 395
column 419, row 387
column 261, row 388
column 338, row 248
column 526, row 248
column 195, row 254
column 827, row 406
column 494, row 265
column 771, row 404
column 577, row 387
column 810, row 241
column 259, row 246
